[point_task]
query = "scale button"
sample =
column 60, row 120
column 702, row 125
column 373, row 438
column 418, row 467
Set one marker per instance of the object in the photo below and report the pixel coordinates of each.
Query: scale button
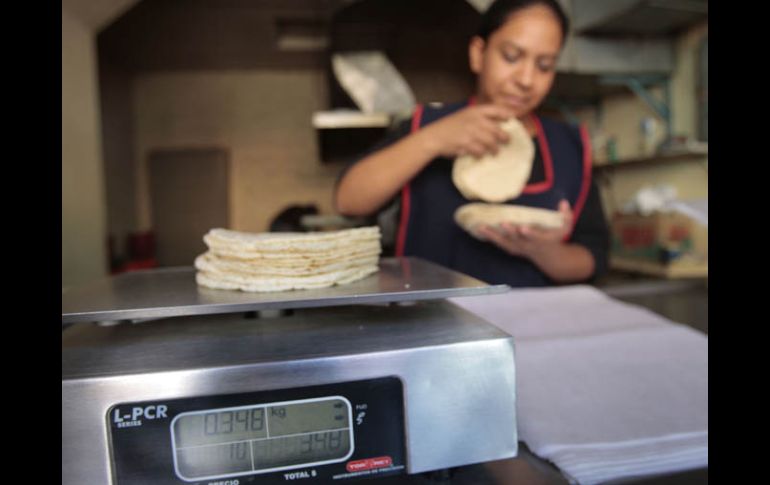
column 380, row 462
column 357, row 466
column 369, row 463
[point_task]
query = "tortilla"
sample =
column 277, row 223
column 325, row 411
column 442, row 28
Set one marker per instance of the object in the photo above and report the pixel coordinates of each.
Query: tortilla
column 299, row 257
column 213, row 263
column 501, row 176
column 232, row 281
column 469, row 216
column 290, row 241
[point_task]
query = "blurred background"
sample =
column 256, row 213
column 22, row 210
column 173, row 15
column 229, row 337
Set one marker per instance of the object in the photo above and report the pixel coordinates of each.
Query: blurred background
column 183, row 115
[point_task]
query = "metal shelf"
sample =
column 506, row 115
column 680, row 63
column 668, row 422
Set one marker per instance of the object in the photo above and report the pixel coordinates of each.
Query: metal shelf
column 350, row 119
column 654, row 159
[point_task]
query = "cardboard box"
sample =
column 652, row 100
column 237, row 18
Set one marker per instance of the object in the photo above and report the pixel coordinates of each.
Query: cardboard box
column 663, row 240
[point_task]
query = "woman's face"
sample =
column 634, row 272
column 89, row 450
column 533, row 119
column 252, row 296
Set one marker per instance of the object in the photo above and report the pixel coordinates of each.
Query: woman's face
column 516, row 66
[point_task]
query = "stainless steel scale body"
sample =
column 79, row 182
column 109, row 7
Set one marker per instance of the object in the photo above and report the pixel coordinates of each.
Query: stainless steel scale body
column 450, row 375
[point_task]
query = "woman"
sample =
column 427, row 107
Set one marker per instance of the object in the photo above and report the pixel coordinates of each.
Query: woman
column 514, row 57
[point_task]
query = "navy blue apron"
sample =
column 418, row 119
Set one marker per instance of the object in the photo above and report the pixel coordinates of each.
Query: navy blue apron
column 428, row 202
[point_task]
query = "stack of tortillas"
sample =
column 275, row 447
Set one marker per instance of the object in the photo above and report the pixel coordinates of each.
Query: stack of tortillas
column 495, row 178
column 287, row 261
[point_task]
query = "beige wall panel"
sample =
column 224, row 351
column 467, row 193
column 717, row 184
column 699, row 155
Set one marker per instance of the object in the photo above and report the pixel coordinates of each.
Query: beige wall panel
column 262, row 117
column 84, row 255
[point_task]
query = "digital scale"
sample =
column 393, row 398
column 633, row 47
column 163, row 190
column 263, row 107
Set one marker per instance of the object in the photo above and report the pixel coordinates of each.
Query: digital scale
column 180, row 384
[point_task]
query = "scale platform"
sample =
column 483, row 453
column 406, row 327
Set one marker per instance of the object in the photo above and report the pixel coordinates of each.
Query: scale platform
column 346, row 387
column 173, row 292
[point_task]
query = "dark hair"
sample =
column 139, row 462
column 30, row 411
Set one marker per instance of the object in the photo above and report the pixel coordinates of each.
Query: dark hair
column 497, row 14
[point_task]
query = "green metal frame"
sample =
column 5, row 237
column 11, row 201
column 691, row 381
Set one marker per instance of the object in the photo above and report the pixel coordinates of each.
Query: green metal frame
column 639, row 85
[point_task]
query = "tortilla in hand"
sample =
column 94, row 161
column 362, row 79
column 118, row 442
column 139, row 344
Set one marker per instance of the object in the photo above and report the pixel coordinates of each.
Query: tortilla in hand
column 498, row 177
column 470, row 216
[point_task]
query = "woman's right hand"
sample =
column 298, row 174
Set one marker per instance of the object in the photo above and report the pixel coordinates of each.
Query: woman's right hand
column 375, row 179
column 474, row 130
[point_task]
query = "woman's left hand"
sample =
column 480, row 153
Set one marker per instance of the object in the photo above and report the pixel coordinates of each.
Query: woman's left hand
column 528, row 241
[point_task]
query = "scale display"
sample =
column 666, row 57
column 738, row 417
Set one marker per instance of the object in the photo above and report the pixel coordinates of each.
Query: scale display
column 229, row 442
column 325, row 433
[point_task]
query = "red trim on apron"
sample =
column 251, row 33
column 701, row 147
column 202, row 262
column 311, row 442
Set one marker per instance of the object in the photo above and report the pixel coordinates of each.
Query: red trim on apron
column 417, row 117
column 401, row 239
column 547, row 184
column 405, row 193
column 587, row 166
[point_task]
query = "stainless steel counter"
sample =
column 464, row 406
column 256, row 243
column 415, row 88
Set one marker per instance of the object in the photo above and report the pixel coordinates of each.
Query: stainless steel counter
column 683, row 301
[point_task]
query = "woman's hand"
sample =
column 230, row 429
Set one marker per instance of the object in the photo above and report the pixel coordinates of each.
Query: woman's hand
column 528, row 241
column 474, row 130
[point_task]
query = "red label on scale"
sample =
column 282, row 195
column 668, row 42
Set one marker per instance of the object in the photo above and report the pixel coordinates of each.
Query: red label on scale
column 369, row 463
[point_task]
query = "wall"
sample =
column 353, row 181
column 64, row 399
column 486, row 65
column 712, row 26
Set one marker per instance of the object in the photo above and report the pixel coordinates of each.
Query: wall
column 684, row 80
column 262, row 117
column 117, row 117
column 83, row 208
column 205, row 74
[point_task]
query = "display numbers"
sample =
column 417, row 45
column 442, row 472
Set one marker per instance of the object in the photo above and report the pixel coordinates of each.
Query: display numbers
column 229, row 421
column 261, row 438
column 239, row 451
column 329, row 441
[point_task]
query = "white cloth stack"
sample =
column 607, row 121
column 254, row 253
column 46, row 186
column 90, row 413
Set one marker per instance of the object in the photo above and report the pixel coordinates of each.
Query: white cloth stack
column 605, row 389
